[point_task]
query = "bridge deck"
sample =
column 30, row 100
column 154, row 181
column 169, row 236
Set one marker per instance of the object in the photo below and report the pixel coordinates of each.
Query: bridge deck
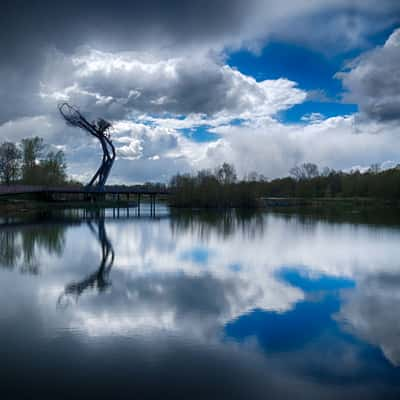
column 25, row 189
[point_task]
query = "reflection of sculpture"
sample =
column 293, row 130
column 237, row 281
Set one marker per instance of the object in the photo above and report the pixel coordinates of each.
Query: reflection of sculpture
column 99, row 278
column 99, row 129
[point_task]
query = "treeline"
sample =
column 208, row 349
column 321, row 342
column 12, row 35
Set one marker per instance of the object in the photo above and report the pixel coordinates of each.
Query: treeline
column 31, row 163
column 212, row 189
column 221, row 188
column 307, row 181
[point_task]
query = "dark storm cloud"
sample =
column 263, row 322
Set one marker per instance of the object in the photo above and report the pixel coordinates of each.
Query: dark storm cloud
column 373, row 81
column 28, row 29
column 116, row 25
column 137, row 24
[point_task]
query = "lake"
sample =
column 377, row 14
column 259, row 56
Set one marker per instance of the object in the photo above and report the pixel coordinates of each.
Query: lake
column 200, row 305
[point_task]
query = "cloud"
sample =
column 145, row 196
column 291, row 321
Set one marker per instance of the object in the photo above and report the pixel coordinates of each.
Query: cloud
column 155, row 100
column 373, row 81
column 272, row 148
column 140, row 141
column 156, row 148
column 213, row 24
column 152, row 101
column 131, row 83
column 172, row 30
column 154, row 152
column 313, row 117
column 20, row 128
column 337, row 26
column 51, row 128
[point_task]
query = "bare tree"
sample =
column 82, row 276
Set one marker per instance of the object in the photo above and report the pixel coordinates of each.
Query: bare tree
column 252, row 176
column 226, row 173
column 304, row 171
column 374, row 169
column 326, row 171
column 10, row 157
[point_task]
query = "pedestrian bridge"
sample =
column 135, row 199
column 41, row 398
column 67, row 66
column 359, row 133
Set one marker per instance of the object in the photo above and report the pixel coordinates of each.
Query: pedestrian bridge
column 114, row 190
column 87, row 194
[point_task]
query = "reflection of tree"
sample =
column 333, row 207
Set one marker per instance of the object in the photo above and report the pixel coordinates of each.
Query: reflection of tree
column 19, row 246
column 99, row 278
column 224, row 223
column 311, row 216
column 10, row 251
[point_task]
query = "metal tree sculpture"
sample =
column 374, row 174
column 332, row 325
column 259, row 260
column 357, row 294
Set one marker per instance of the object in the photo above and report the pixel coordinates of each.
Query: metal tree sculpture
column 101, row 130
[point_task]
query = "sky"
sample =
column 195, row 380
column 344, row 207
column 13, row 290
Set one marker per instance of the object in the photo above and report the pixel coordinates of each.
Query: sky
column 262, row 84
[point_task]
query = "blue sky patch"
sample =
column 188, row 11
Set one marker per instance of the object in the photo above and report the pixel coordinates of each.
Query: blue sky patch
column 198, row 255
column 301, row 278
column 299, row 112
column 200, row 134
column 313, row 71
column 235, row 267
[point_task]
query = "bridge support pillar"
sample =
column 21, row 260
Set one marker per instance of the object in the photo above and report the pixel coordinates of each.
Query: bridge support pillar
column 153, row 205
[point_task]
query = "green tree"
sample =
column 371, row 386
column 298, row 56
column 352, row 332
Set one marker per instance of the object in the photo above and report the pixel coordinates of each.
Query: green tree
column 39, row 167
column 10, row 157
column 53, row 168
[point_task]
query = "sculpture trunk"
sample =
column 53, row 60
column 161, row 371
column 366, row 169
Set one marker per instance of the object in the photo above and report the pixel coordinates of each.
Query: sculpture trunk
column 99, row 129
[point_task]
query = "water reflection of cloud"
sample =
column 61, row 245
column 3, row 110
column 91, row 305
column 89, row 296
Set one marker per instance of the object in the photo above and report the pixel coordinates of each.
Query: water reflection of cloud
column 337, row 249
column 190, row 304
column 163, row 318
column 154, row 286
column 148, row 254
column 371, row 312
column 176, row 364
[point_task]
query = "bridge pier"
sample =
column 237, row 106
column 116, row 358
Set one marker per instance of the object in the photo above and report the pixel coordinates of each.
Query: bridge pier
column 152, row 205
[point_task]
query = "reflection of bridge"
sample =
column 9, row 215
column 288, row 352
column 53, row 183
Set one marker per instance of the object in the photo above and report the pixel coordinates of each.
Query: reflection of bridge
column 86, row 193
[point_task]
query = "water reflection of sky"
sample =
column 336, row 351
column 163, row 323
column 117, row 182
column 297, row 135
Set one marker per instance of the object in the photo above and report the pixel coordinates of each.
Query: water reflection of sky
column 207, row 306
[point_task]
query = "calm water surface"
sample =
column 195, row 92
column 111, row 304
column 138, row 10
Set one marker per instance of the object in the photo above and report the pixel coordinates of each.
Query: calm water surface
column 199, row 306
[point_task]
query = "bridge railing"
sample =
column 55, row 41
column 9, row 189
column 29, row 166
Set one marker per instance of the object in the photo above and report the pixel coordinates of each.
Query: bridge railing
column 17, row 189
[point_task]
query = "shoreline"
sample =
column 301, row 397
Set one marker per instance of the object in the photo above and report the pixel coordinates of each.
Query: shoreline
column 13, row 207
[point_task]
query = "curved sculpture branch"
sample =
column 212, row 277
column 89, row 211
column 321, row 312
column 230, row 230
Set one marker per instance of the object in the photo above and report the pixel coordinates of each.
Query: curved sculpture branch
column 100, row 130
